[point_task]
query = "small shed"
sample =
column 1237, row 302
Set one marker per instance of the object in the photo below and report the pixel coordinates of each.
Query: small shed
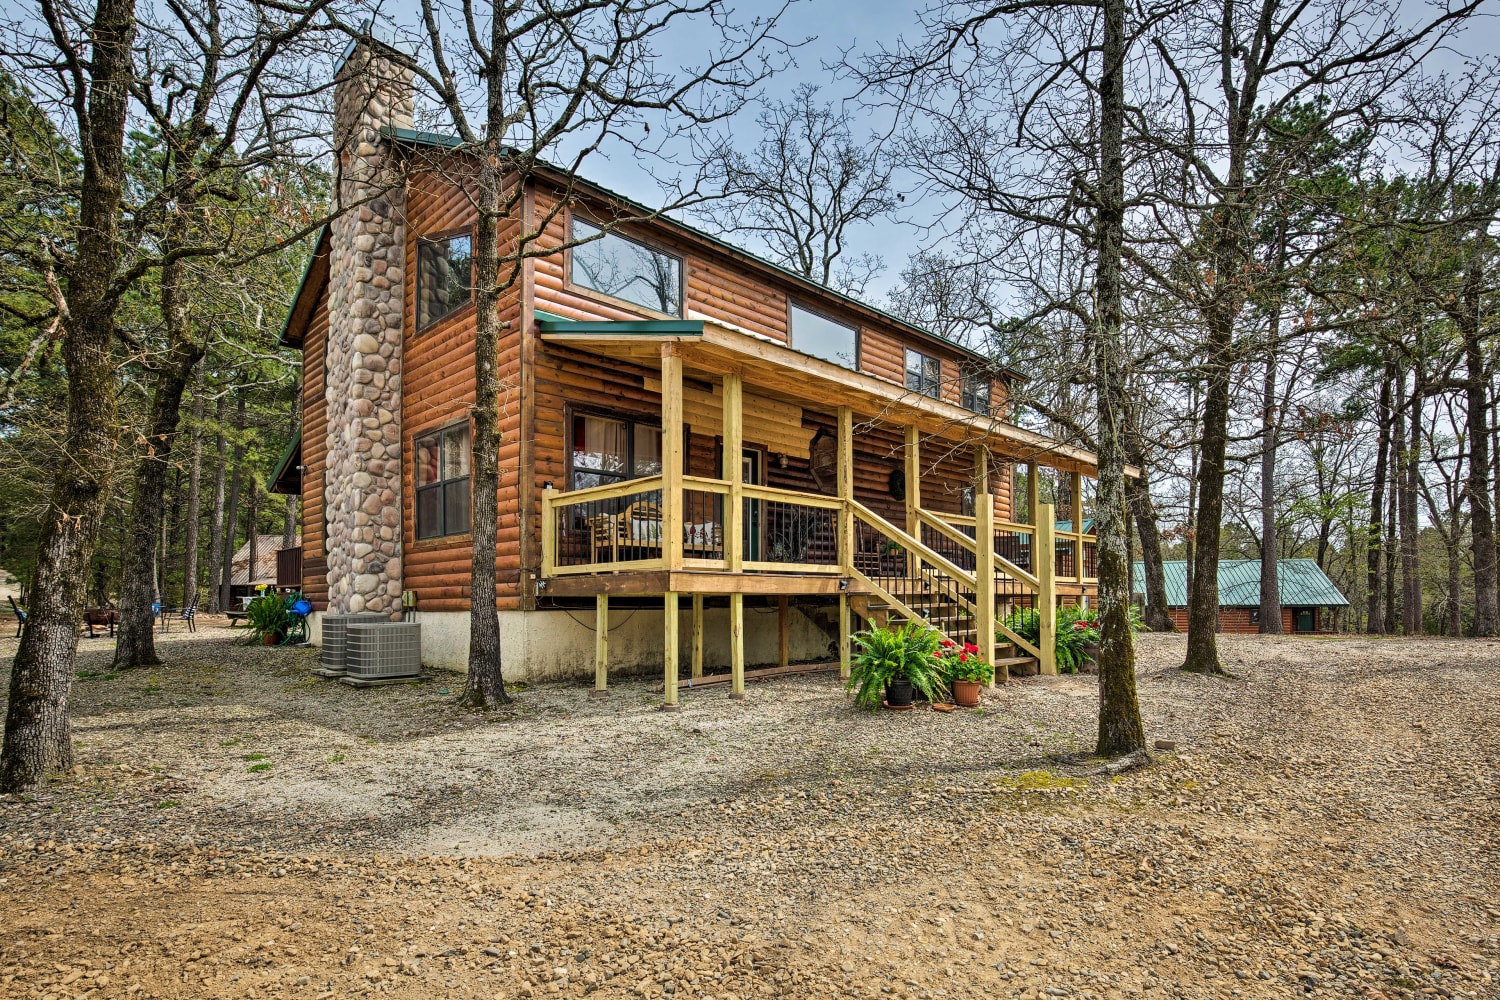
column 242, row 582
column 1309, row 600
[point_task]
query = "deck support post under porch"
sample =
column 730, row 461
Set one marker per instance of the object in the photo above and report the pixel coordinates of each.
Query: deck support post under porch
column 1044, row 564
column 601, row 647
column 736, row 646
column 845, row 625
column 669, row 651
column 783, row 639
column 697, row 636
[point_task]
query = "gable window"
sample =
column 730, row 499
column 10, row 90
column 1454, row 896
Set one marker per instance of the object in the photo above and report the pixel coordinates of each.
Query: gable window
column 923, row 374
column 608, row 450
column 445, row 277
column 622, row 268
column 976, row 393
column 821, row 337
column 443, row 482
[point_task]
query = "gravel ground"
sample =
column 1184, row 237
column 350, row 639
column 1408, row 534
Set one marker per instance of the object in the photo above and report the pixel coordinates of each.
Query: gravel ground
column 1327, row 824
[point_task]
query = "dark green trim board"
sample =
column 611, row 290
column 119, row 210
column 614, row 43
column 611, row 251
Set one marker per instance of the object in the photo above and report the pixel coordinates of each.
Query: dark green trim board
column 548, row 323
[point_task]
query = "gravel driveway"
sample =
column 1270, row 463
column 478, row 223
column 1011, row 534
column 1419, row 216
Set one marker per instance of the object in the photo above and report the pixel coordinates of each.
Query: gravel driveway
column 1328, row 824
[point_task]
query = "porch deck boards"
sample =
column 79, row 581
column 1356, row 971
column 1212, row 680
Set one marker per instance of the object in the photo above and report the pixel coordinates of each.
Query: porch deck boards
column 648, row 582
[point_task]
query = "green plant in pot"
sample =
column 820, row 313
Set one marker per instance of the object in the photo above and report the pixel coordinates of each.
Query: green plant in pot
column 267, row 617
column 965, row 672
column 897, row 663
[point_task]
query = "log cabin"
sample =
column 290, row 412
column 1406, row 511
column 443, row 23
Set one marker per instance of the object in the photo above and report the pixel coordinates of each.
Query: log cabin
column 1310, row 601
column 695, row 443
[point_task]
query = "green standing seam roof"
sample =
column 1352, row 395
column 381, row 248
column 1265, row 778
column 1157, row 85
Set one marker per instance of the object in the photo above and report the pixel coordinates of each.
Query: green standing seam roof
column 286, row 456
column 1300, row 582
column 548, row 323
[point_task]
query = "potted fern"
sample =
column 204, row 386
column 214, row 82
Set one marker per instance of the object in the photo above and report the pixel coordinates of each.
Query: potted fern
column 268, row 618
column 896, row 663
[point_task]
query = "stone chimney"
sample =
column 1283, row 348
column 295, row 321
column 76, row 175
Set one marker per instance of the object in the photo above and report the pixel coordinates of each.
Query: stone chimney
column 366, row 268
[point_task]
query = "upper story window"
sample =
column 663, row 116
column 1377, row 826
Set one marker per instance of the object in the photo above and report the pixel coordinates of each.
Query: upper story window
column 622, row 268
column 821, row 337
column 443, row 482
column 976, row 392
column 924, row 374
column 445, row 277
column 606, row 450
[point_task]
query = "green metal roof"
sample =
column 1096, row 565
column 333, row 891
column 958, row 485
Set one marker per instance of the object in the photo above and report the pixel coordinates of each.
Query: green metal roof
column 1301, row 583
column 293, row 449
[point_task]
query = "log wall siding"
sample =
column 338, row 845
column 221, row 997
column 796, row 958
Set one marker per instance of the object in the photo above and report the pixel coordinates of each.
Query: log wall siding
column 314, row 454
column 439, row 392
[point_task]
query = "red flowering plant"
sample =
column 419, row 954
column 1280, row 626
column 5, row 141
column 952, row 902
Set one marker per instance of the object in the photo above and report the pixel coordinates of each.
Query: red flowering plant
column 963, row 662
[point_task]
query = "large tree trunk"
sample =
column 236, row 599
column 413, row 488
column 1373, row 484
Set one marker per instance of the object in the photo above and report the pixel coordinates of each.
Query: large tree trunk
column 216, row 522
column 289, row 523
column 1203, row 596
column 1270, row 592
column 1376, row 622
column 485, row 684
column 1392, row 512
column 136, row 646
column 194, row 510
column 1411, row 570
column 1121, row 730
column 1143, row 510
column 232, row 514
column 1476, row 393
column 38, row 737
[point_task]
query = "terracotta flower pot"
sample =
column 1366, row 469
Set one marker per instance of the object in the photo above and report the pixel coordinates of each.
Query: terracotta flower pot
column 966, row 694
column 268, row 639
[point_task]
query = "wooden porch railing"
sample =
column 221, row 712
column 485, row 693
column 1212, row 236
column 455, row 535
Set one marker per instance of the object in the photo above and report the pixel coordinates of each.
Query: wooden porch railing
column 289, row 568
column 936, row 576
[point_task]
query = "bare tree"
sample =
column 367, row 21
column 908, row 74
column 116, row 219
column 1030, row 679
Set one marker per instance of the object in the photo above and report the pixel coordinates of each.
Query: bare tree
column 554, row 80
column 804, row 188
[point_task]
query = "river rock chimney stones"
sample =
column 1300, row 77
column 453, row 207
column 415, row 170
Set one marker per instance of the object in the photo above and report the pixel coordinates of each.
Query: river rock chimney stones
column 366, row 268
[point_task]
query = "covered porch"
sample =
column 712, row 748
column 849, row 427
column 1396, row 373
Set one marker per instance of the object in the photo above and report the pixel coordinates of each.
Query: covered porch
column 723, row 535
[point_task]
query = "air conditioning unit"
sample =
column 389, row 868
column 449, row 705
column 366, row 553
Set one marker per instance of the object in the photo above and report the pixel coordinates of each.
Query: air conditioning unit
column 382, row 651
column 335, row 638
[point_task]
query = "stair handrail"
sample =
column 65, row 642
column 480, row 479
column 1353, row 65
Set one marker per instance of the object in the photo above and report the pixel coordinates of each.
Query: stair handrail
column 970, row 545
column 924, row 553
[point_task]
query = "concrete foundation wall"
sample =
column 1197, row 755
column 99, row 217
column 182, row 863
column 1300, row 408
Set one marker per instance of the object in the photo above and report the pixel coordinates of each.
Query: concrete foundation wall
column 559, row 645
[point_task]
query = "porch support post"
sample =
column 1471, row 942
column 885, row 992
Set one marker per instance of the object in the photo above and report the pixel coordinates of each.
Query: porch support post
column 669, row 651
column 846, row 530
column 846, row 489
column 981, row 472
column 1077, row 522
column 1033, row 493
column 783, row 645
column 913, row 475
column 845, row 630
column 733, row 472
column 1044, row 565
column 984, row 578
column 601, row 647
column 736, row 645
column 697, row 636
column 671, row 456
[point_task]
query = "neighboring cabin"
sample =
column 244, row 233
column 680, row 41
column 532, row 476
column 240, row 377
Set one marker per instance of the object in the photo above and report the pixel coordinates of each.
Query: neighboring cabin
column 1309, row 600
column 679, row 417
